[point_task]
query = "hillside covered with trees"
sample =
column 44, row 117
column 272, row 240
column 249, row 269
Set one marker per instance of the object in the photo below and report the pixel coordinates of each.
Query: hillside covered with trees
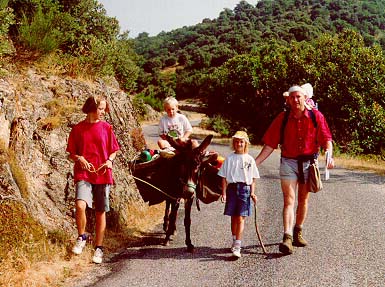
column 241, row 62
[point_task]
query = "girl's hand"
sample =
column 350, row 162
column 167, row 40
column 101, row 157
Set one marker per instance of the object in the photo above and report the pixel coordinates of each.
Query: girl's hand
column 108, row 164
column 223, row 198
column 254, row 198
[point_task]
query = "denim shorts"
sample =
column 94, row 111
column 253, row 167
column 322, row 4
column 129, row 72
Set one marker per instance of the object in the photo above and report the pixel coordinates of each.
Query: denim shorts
column 289, row 169
column 95, row 195
column 238, row 199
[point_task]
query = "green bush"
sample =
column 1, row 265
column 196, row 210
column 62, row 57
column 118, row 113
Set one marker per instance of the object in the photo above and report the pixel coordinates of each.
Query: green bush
column 217, row 124
column 41, row 32
column 6, row 20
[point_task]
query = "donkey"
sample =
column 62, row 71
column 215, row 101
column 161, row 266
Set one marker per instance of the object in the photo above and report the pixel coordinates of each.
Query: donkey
column 173, row 179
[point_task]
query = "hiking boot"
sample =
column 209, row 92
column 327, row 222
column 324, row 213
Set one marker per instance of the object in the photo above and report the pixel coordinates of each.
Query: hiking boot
column 286, row 247
column 297, row 237
column 236, row 251
column 79, row 245
column 98, row 256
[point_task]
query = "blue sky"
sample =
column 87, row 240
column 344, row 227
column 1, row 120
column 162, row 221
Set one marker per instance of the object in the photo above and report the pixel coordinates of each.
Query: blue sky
column 155, row 16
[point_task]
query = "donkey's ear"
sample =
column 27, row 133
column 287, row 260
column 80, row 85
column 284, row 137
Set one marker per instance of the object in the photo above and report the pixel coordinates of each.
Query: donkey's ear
column 206, row 142
column 210, row 157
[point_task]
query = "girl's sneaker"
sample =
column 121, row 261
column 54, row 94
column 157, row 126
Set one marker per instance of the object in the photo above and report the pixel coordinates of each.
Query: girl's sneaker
column 237, row 251
column 79, row 245
column 98, row 256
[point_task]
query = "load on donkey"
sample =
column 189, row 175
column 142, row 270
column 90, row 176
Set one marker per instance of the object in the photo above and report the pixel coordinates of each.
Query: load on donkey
column 187, row 175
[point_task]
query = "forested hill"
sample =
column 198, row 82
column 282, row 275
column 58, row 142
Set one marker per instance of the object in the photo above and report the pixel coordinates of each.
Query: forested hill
column 239, row 30
column 241, row 62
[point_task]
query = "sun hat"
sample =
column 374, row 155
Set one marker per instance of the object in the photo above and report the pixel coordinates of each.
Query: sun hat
column 308, row 89
column 297, row 89
column 241, row 135
column 285, row 94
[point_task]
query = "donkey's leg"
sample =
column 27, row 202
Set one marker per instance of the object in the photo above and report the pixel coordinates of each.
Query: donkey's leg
column 187, row 223
column 172, row 221
column 166, row 217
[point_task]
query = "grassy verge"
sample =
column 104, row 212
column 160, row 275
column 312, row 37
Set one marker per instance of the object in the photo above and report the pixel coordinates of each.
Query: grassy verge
column 31, row 256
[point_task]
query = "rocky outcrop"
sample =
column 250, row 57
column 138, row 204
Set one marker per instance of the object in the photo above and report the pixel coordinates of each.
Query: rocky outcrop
column 36, row 115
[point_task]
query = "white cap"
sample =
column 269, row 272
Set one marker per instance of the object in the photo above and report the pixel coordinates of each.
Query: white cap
column 297, row 89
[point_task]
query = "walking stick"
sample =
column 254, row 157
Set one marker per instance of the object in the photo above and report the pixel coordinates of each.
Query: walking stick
column 257, row 229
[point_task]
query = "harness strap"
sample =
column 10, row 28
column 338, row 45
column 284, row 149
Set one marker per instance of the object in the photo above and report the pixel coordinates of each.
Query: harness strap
column 158, row 189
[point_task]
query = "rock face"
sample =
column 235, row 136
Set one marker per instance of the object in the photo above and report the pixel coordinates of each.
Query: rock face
column 36, row 116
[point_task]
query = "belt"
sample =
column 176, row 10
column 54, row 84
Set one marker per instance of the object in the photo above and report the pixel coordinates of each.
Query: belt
column 300, row 160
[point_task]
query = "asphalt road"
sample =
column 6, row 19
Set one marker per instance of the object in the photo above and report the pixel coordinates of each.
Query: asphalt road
column 345, row 229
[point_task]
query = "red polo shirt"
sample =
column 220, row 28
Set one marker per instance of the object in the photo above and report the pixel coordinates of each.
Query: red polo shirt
column 300, row 136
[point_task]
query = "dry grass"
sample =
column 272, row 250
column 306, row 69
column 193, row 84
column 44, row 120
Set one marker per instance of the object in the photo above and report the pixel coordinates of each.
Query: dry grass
column 31, row 257
column 374, row 164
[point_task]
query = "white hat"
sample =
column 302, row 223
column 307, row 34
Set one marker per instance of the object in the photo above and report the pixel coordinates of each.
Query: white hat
column 297, row 89
column 285, row 94
column 308, row 89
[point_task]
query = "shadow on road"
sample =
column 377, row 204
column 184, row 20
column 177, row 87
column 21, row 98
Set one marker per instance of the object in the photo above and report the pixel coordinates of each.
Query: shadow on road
column 150, row 247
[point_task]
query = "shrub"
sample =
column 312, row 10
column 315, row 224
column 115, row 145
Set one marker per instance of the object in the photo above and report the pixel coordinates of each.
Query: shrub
column 41, row 33
column 218, row 124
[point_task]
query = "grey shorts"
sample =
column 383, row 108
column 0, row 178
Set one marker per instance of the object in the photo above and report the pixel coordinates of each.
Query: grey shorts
column 95, row 195
column 289, row 169
column 238, row 199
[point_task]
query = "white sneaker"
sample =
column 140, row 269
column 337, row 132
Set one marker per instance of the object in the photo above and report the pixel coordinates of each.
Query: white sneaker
column 167, row 152
column 98, row 256
column 79, row 245
column 237, row 252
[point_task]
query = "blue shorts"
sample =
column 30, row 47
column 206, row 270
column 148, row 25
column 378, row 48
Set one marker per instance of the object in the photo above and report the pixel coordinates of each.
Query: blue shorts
column 238, row 199
column 289, row 169
column 95, row 195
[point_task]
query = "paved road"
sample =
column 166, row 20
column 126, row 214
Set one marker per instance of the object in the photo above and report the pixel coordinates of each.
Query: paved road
column 345, row 229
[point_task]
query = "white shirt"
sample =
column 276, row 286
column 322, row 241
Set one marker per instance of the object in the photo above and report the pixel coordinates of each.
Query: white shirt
column 239, row 168
column 178, row 123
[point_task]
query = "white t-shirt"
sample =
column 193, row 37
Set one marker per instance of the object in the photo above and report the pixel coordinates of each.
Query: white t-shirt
column 239, row 168
column 178, row 123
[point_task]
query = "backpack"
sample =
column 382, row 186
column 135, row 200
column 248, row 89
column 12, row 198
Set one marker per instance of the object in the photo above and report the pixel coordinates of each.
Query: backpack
column 286, row 117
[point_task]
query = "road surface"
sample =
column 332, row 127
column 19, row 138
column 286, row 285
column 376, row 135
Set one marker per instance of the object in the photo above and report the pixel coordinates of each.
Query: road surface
column 345, row 229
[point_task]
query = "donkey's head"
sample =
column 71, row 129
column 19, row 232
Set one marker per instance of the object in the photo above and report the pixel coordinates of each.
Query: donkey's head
column 189, row 160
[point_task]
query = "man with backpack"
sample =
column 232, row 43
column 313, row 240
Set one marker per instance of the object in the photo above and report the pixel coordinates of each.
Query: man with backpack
column 300, row 133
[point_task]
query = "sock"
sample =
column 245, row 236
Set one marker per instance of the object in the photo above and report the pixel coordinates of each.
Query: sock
column 83, row 236
column 237, row 243
column 100, row 247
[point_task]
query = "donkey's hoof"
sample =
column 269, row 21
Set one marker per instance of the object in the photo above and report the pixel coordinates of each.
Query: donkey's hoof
column 166, row 242
column 190, row 248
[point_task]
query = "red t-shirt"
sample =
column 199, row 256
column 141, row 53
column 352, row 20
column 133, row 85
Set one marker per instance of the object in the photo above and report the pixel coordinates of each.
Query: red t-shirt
column 300, row 136
column 95, row 142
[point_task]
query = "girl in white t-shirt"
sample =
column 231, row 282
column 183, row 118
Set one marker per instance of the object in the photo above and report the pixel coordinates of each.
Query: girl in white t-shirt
column 238, row 173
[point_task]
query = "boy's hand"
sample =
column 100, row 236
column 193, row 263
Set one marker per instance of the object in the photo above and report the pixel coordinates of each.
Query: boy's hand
column 223, row 198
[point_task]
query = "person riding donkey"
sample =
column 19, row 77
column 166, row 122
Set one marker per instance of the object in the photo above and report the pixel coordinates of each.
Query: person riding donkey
column 300, row 140
column 174, row 125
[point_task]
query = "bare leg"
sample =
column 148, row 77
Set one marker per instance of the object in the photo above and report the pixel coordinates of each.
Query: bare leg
column 100, row 227
column 303, row 197
column 81, row 219
column 237, row 226
column 288, row 190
